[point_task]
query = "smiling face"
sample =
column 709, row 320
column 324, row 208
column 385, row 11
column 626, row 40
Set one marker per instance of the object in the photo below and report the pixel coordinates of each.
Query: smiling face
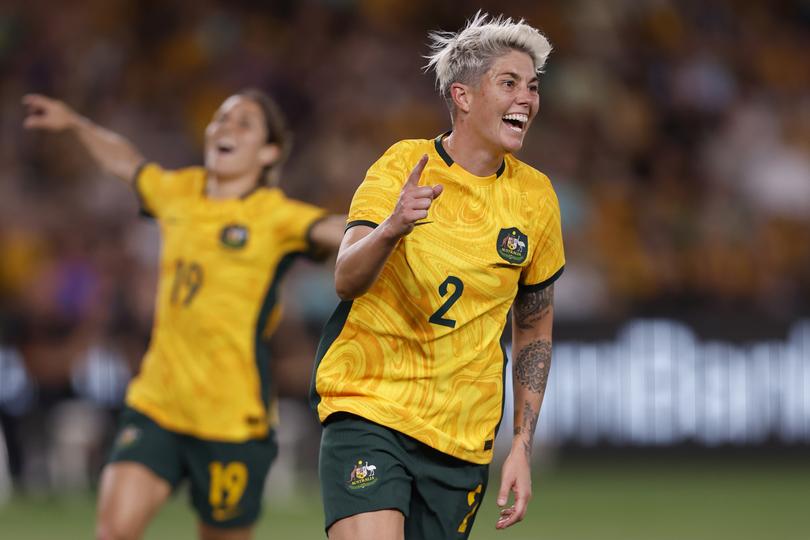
column 235, row 140
column 501, row 107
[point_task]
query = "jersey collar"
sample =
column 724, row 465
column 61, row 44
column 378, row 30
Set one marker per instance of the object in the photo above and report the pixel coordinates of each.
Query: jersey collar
column 449, row 161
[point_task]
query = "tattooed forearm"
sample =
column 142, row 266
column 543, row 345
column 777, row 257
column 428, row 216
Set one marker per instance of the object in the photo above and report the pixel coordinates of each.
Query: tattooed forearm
column 532, row 364
column 531, row 306
column 527, row 425
column 529, row 420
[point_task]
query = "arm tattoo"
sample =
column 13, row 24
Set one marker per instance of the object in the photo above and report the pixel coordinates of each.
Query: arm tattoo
column 532, row 364
column 529, row 420
column 531, row 306
column 529, row 426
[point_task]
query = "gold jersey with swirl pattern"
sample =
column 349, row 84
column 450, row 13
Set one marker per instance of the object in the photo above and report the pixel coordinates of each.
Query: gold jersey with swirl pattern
column 206, row 372
column 420, row 351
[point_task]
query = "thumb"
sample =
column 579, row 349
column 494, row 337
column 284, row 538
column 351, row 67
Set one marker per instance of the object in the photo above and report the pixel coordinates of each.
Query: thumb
column 32, row 122
column 416, row 173
column 503, row 494
column 437, row 190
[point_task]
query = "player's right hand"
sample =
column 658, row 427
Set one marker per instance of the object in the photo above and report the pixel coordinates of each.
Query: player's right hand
column 414, row 202
column 45, row 113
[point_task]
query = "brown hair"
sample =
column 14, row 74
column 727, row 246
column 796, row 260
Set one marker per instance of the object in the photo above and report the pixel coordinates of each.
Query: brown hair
column 277, row 133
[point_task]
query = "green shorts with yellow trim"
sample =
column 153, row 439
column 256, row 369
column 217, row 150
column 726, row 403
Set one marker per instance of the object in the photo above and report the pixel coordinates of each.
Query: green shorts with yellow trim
column 365, row 467
column 227, row 479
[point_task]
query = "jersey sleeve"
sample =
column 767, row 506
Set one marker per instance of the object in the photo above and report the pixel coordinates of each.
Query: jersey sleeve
column 376, row 197
column 295, row 221
column 548, row 260
column 157, row 187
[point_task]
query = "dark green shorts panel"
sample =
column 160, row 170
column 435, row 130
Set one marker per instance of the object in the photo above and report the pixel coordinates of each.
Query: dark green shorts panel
column 446, row 496
column 361, row 470
column 366, row 467
column 141, row 440
column 227, row 479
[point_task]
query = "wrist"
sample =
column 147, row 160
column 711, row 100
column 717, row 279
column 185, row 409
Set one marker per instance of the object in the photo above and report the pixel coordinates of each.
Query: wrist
column 520, row 439
column 522, row 444
column 388, row 234
column 75, row 122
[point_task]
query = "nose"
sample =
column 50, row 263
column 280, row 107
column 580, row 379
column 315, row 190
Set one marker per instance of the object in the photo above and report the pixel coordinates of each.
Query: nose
column 525, row 96
column 528, row 99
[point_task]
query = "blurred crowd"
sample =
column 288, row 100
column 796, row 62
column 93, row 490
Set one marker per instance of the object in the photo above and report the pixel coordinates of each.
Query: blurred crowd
column 676, row 133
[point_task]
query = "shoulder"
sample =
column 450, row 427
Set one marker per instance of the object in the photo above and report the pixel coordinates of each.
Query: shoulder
column 275, row 197
column 189, row 174
column 529, row 179
column 407, row 148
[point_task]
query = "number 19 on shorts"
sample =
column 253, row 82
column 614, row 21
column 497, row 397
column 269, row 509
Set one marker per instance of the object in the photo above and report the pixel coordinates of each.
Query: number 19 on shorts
column 228, row 483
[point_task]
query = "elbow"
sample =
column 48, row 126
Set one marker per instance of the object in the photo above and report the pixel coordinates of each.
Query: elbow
column 346, row 287
column 345, row 296
column 345, row 291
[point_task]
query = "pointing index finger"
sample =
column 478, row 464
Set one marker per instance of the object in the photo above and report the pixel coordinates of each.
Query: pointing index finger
column 416, row 173
column 32, row 99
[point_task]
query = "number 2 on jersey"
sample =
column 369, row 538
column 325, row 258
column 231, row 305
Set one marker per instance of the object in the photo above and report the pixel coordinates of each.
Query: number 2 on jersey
column 188, row 278
column 458, row 288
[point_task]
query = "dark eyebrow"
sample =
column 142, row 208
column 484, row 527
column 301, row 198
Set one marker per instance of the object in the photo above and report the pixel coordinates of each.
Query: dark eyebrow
column 518, row 77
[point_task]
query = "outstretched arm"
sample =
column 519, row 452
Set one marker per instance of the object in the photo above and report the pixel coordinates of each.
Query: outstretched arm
column 327, row 233
column 112, row 152
column 532, row 315
column 365, row 250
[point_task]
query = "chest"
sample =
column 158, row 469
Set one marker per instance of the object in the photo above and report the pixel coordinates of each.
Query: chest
column 225, row 236
column 484, row 233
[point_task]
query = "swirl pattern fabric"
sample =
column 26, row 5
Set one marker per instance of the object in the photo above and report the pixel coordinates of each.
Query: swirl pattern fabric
column 206, row 372
column 420, row 351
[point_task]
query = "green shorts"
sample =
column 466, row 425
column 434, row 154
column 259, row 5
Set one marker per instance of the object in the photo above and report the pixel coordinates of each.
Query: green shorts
column 366, row 467
column 227, row 479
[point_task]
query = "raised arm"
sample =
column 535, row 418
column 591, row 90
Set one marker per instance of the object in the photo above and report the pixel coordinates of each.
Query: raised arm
column 532, row 315
column 365, row 250
column 112, row 152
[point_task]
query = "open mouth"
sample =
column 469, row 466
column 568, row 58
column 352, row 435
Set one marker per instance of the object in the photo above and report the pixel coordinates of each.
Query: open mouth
column 516, row 121
column 225, row 147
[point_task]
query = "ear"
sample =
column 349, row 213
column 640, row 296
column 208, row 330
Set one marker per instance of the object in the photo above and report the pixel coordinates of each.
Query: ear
column 269, row 154
column 461, row 95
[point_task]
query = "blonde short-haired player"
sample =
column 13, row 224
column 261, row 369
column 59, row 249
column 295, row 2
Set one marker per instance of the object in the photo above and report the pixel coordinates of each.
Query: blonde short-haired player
column 201, row 406
column 444, row 236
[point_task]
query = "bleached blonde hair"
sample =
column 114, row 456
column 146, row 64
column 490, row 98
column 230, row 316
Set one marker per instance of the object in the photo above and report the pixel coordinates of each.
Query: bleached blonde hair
column 466, row 55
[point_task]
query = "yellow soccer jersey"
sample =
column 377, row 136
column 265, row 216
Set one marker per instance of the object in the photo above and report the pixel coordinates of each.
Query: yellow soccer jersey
column 206, row 372
column 420, row 351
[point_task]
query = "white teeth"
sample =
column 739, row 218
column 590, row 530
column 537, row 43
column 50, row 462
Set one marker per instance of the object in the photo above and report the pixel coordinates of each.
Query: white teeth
column 517, row 116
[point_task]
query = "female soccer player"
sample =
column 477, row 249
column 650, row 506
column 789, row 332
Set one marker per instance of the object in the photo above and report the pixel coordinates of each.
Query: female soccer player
column 201, row 406
column 444, row 236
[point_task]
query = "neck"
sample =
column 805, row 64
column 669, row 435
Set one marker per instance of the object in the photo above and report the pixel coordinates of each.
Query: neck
column 229, row 188
column 472, row 154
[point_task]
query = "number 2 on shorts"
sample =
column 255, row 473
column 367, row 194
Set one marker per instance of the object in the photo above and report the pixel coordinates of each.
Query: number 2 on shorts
column 473, row 498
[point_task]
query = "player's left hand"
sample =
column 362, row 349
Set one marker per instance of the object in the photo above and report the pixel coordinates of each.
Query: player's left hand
column 516, row 476
column 49, row 114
